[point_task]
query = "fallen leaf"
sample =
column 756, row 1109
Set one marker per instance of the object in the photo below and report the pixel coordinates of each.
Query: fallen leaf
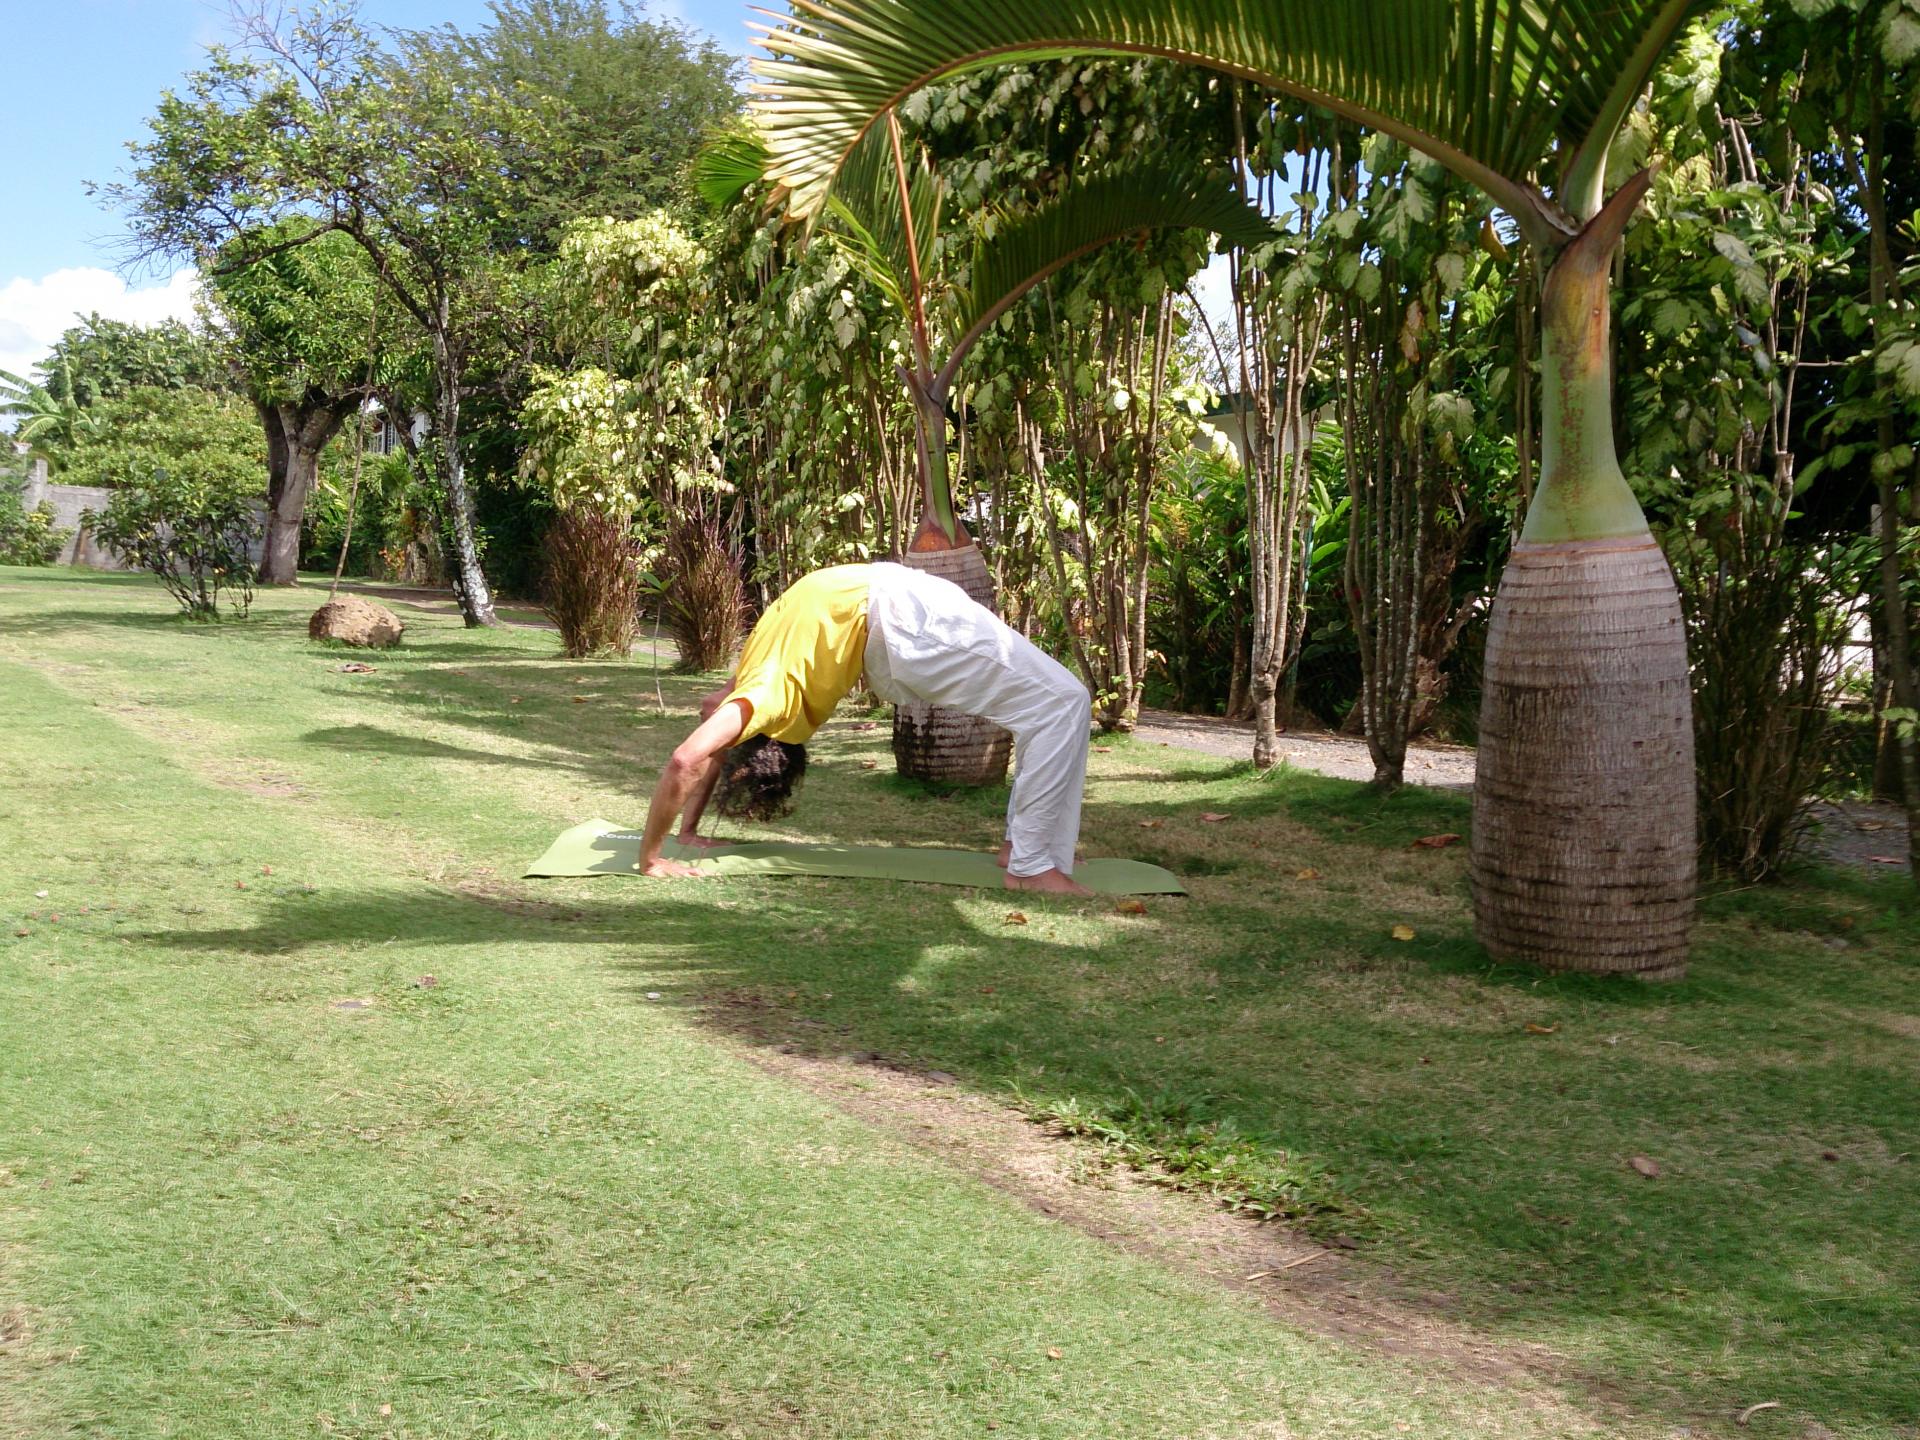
column 1015, row 917
column 580, row 699
column 1436, row 842
column 863, row 724
column 239, row 884
column 355, row 667
column 1214, row 817
column 1645, row 1166
column 1132, row 905
column 425, row 982
column 385, row 1411
column 266, row 869
column 1830, row 1155
column 1886, row 859
column 1533, row 1029
column 1871, row 825
column 869, row 764
column 1307, row 874
column 986, row 989
column 513, row 700
column 40, row 894
column 1846, row 922
column 1103, row 749
column 1345, row 1242
column 1151, row 824
column 22, row 934
column 1053, row 1353
column 1752, row 1410
column 1403, row 932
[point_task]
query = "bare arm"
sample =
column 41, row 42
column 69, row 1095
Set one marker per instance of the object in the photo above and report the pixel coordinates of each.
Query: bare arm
column 695, row 762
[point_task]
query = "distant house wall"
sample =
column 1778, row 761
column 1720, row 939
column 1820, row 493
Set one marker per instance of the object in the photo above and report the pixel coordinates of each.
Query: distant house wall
column 71, row 502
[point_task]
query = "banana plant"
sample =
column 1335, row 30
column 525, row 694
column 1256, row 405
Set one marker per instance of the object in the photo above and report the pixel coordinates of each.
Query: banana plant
column 950, row 286
column 1583, row 844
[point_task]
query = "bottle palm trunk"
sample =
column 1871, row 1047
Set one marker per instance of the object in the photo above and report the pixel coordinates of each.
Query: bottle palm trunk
column 1583, row 852
column 932, row 742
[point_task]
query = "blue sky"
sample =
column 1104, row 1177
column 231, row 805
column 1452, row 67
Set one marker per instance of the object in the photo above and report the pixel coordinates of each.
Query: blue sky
column 82, row 78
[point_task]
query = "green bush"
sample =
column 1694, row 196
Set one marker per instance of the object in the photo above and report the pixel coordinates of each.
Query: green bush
column 194, row 527
column 28, row 537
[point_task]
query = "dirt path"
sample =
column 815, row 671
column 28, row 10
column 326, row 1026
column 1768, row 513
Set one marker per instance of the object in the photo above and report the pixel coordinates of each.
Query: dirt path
column 1865, row 834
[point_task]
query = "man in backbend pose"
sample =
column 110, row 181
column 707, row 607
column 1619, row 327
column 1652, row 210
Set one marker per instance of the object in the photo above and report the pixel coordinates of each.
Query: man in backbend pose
column 918, row 638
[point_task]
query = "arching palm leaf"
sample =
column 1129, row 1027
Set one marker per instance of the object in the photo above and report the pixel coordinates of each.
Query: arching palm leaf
column 1486, row 86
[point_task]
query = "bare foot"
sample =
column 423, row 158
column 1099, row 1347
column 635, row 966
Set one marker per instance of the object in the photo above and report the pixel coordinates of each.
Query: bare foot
column 1005, row 857
column 665, row 869
column 1047, row 882
column 698, row 842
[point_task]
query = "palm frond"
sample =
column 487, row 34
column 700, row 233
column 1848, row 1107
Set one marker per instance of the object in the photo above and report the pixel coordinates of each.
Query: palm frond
column 1095, row 210
column 1486, row 86
column 728, row 164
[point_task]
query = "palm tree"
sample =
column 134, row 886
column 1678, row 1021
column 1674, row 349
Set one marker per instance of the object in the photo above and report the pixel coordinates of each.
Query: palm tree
column 885, row 217
column 48, row 425
column 1583, row 843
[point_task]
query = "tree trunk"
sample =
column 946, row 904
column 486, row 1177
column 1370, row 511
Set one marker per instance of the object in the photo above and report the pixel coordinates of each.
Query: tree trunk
column 1584, row 841
column 931, row 742
column 1883, row 291
column 296, row 434
column 469, row 580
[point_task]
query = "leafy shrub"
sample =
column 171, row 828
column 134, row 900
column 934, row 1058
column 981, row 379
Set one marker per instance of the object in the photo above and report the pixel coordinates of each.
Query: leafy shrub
column 1765, row 638
column 594, row 583
column 28, row 537
column 703, row 599
column 195, row 528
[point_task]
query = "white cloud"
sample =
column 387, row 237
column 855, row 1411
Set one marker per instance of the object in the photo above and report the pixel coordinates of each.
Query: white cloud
column 33, row 313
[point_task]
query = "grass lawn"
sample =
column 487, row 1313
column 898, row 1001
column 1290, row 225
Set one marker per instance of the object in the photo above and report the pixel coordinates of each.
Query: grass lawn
column 258, row 1176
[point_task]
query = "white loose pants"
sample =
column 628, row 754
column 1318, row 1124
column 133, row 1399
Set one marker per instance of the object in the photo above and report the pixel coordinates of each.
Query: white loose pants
column 929, row 641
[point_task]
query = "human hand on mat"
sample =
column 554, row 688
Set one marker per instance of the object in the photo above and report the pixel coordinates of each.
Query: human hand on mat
column 662, row 868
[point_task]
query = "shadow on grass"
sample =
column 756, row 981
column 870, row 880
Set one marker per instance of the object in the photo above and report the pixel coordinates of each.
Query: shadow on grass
column 1483, row 1157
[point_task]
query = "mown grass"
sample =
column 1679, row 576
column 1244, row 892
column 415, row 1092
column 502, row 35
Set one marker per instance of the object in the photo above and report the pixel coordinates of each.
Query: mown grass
column 536, row 1196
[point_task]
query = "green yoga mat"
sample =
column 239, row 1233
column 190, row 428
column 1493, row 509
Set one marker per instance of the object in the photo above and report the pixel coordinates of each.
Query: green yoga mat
column 600, row 847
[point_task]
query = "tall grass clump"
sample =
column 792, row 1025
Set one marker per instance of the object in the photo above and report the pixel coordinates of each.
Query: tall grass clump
column 594, row 583
column 703, row 598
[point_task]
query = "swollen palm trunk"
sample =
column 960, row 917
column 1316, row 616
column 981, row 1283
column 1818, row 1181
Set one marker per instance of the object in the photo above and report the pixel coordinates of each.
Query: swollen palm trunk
column 931, row 742
column 1583, row 812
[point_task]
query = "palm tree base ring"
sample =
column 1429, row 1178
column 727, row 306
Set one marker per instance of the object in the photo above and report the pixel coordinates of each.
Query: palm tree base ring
column 931, row 742
column 1584, row 848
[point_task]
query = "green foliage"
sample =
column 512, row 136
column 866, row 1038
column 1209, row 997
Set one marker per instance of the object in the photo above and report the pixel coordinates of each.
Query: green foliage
column 301, row 319
column 27, row 537
column 101, row 359
column 191, row 524
column 49, row 425
column 146, row 431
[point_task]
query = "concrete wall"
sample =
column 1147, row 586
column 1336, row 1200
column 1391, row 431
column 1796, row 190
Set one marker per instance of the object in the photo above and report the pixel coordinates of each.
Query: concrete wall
column 69, row 502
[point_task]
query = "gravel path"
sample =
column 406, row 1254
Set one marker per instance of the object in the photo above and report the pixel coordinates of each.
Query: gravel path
column 1872, row 836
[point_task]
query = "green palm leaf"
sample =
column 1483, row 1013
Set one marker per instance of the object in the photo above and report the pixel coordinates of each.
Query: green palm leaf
column 1489, row 87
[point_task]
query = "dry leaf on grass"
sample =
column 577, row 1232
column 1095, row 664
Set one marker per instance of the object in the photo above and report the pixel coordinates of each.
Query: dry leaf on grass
column 1436, row 842
column 580, row 699
column 1016, row 917
column 869, row 764
column 1885, row 859
column 1132, row 905
column 1103, row 749
column 1053, row 1352
column 1213, row 817
column 1151, row 824
column 1307, row 874
column 1533, row 1029
column 355, row 667
column 1645, row 1166
column 1403, row 932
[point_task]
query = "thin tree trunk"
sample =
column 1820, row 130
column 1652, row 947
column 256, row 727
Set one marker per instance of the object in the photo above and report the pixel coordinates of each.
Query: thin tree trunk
column 1882, row 282
column 469, row 580
column 274, row 568
column 1584, row 846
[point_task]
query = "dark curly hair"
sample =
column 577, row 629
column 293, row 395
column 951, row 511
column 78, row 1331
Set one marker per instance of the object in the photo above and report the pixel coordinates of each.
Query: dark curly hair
column 758, row 778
